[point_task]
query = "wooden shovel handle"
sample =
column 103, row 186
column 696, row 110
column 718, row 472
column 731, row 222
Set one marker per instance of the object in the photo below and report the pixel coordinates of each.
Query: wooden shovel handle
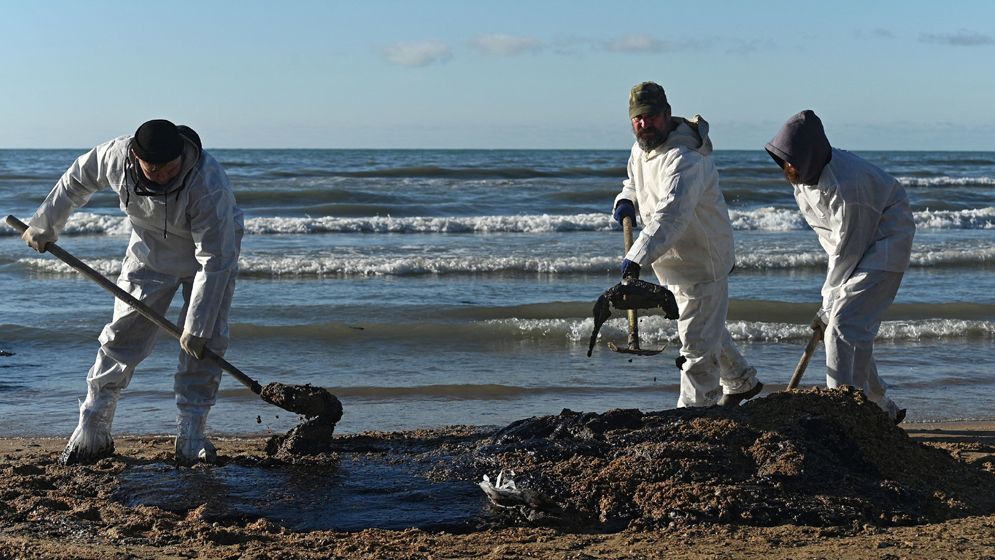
column 817, row 335
column 137, row 305
column 627, row 231
column 633, row 316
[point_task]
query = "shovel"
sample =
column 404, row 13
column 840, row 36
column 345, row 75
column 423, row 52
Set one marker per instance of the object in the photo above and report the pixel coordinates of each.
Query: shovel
column 817, row 335
column 633, row 342
column 300, row 399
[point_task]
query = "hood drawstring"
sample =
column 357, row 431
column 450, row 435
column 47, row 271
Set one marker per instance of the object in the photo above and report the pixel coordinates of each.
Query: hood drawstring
column 132, row 168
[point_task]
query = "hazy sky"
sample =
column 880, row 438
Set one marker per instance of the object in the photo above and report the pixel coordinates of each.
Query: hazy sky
column 499, row 74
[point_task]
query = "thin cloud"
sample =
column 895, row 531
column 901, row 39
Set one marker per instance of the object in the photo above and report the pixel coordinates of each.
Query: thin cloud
column 962, row 38
column 505, row 45
column 573, row 45
column 638, row 44
column 876, row 33
column 416, row 54
column 744, row 47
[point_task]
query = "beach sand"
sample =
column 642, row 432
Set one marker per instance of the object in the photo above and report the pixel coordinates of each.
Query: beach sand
column 49, row 511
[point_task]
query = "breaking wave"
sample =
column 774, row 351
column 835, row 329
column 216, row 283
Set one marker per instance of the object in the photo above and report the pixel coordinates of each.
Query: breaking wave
column 760, row 219
column 934, row 181
column 658, row 331
column 347, row 266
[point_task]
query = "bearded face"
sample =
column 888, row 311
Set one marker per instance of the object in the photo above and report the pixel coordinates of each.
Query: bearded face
column 791, row 174
column 650, row 130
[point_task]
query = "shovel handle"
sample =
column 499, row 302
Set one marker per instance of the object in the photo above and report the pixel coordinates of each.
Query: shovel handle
column 627, row 232
column 137, row 305
column 817, row 335
column 633, row 316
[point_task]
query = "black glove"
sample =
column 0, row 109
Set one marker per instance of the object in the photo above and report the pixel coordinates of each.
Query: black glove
column 630, row 269
column 622, row 209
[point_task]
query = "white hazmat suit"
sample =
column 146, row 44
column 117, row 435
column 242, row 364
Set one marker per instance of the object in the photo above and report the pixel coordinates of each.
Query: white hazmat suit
column 187, row 238
column 687, row 238
column 863, row 220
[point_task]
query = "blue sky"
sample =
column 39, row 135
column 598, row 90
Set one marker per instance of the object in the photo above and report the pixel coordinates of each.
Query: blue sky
column 508, row 74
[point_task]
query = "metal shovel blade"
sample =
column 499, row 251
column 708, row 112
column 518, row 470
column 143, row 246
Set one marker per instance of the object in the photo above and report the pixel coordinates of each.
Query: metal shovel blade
column 636, row 351
column 633, row 345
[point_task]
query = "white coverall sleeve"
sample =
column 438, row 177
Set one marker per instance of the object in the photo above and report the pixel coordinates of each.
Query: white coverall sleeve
column 628, row 189
column 87, row 175
column 216, row 247
column 854, row 226
column 680, row 186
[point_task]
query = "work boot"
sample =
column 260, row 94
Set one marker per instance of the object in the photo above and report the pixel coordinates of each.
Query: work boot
column 192, row 445
column 91, row 440
column 735, row 398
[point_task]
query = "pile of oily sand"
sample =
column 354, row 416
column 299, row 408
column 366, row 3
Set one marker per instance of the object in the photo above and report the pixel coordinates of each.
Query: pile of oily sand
column 817, row 457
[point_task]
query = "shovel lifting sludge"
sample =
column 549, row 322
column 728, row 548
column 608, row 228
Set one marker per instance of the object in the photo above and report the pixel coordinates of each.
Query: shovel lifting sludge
column 300, row 399
column 633, row 315
column 631, row 294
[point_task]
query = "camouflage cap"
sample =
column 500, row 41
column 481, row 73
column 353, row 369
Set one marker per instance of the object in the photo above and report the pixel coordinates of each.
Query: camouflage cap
column 647, row 98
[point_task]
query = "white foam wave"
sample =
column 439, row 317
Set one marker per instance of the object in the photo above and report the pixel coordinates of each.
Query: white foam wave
column 353, row 265
column 977, row 218
column 929, row 181
column 386, row 266
column 107, row 267
column 88, row 223
column 760, row 219
column 780, row 219
column 769, row 260
column 657, row 331
column 81, row 223
column 767, row 219
column 954, row 257
column 375, row 266
column 459, row 224
column 760, row 259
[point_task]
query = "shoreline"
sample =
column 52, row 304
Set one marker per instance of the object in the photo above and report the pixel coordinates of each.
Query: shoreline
column 50, row 511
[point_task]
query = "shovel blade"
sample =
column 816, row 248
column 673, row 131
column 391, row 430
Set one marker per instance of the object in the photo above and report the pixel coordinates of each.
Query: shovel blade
column 306, row 400
column 635, row 351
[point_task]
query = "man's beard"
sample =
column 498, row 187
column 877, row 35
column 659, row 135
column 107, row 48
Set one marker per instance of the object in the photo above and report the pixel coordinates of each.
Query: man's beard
column 650, row 138
column 791, row 174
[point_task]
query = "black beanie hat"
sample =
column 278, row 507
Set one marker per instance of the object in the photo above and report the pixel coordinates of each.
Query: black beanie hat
column 157, row 141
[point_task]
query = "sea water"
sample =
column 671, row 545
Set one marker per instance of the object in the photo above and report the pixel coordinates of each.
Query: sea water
column 434, row 287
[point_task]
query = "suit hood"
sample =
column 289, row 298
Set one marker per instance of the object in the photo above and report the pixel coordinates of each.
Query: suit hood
column 802, row 142
column 691, row 133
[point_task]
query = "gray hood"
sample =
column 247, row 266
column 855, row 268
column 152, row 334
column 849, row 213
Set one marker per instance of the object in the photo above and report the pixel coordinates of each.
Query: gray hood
column 691, row 133
column 802, row 142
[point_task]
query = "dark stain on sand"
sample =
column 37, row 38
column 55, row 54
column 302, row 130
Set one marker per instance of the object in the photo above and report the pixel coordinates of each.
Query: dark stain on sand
column 817, row 458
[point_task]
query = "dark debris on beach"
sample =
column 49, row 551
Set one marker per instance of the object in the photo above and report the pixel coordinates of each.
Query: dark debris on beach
column 817, row 457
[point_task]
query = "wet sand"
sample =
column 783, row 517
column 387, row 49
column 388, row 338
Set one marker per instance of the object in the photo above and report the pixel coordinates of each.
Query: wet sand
column 48, row 511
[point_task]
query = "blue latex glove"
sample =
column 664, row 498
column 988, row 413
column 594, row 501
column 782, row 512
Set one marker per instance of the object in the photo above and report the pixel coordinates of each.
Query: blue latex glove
column 630, row 269
column 624, row 208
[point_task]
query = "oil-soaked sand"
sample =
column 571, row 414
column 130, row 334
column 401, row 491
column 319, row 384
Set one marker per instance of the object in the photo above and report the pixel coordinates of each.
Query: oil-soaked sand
column 802, row 475
column 820, row 458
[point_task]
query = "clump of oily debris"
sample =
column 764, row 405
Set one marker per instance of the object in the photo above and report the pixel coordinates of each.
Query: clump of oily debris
column 816, row 457
column 313, row 436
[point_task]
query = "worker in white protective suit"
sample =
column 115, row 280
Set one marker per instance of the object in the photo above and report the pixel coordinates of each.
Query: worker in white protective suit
column 186, row 234
column 687, row 239
column 863, row 220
